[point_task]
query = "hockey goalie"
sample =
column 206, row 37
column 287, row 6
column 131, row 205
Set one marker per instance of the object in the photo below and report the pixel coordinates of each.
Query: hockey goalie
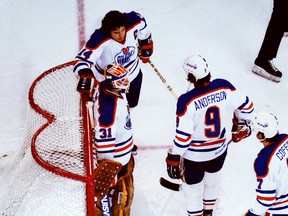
column 113, row 143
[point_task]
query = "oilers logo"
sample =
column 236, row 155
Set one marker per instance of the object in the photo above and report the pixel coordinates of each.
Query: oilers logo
column 124, row 56
column 128, row 124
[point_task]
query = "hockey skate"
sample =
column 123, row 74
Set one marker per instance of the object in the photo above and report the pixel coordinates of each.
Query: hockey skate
column 266, row 69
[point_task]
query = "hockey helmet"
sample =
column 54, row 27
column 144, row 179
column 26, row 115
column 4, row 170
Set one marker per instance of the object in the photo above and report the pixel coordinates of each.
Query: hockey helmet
column 117, row 76
column 197, row 66
column 265, row 123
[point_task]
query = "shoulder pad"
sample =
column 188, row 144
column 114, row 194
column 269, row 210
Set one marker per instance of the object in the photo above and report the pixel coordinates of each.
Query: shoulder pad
column 96, row 39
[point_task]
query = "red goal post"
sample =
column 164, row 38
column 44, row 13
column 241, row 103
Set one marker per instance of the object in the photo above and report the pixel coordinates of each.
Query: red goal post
column 52, row 173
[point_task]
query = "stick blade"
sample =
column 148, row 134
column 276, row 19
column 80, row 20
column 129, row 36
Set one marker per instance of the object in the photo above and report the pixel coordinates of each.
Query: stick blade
column 170, row 185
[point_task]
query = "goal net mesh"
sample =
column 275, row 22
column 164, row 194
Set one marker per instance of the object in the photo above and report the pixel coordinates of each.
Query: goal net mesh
column 48, row 175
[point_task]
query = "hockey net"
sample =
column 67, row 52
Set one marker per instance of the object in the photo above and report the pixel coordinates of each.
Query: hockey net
column 52, row 173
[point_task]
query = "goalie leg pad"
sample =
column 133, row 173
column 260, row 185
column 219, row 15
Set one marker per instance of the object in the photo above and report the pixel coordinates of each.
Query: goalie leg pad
column 123, row 192
column 104, row 175
column 103, row 206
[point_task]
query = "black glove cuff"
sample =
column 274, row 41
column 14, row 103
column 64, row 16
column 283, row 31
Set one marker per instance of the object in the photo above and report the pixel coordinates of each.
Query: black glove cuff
column 85, row 71
column 146, row 41
column 172, row 157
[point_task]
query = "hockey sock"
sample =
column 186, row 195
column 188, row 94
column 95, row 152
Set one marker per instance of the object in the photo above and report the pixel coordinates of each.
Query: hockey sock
column 193, row 197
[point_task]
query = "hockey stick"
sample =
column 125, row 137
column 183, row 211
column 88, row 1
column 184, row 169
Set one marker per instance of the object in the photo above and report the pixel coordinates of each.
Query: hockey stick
column 170, row 185
column 163, row 79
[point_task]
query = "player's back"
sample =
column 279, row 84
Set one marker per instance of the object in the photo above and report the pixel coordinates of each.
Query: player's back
column 204, row 113
column 209, row 108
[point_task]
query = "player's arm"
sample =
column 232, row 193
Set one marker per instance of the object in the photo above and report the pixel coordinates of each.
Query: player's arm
column 145, row 48
column 241, row 128
column 242, row 115
column 106, row 127
column 86, row 59
column 266, row 188
column 145, row 41
column 265, row 197
column 82, row 70
column 181, row 142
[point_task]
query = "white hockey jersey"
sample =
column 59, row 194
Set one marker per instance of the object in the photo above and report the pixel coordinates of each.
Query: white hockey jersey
column 101, row 50
column 271, row 168
column 113, row 129
column 201, row 119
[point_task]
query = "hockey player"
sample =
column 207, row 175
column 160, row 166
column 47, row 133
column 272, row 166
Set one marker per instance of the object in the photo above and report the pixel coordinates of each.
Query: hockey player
column 271, row 168
column 113, row 135
column 117, row 41
column 200, row 143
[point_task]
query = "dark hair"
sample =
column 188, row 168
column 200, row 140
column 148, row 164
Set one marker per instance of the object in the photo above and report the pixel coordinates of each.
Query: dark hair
column 113, row 20
column 200, row 82
column 272, row 139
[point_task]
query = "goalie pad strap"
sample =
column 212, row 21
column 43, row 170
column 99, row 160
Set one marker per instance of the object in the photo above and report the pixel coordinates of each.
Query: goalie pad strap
column 104, row 174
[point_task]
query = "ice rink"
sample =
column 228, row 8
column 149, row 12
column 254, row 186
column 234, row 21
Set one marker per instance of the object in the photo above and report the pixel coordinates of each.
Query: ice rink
column 38, row 34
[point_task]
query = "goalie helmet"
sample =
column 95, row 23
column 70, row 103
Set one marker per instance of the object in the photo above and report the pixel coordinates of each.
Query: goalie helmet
column 197, row 66
column 265, row 123
column 117, row 76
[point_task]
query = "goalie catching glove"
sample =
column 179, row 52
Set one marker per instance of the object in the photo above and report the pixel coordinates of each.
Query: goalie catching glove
column 86, row 81
column 173, row 165
column 145, row 49
column 240, row 130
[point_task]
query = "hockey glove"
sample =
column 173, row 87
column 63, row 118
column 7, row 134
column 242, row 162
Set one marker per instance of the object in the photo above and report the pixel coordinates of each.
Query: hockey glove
column 173, row 165
column 145, row 49
column 240, row 130
column 86, row 81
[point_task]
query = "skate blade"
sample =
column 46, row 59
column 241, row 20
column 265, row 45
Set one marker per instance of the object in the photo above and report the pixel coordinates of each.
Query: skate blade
column 259, row 71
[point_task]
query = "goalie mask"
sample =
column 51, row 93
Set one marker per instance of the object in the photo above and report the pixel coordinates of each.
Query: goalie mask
column 265, row 123
column 117, row 76
column 197, row 66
